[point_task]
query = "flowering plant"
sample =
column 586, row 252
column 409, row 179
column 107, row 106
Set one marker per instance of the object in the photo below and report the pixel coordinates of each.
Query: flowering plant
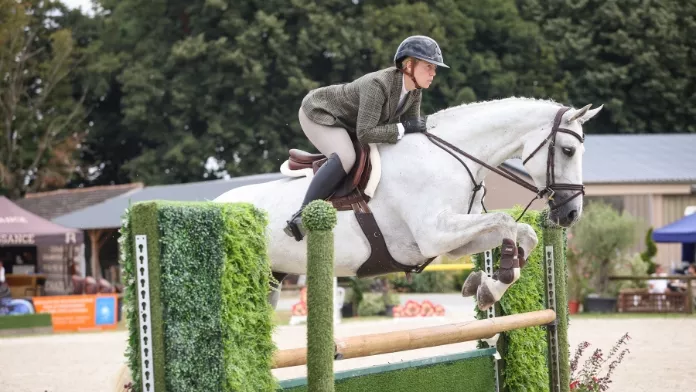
column 588, row 379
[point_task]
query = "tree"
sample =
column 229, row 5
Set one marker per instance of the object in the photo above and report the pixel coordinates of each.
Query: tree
column 635, row 57
column 650, row 251
column 40, row 112
column 601, row 238
column 211, row 89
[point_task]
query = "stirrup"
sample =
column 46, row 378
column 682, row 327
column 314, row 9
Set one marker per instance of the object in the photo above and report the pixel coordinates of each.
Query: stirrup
column 292, row 229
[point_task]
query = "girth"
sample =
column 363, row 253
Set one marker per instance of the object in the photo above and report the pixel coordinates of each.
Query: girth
column 380, row 261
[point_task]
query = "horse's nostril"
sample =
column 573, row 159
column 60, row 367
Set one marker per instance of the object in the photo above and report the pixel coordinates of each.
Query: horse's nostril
column 572, row 215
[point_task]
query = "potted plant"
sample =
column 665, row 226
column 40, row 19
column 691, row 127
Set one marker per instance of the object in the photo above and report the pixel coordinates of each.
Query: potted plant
column 600, row 238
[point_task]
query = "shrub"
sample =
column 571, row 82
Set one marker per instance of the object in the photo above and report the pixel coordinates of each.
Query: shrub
column 588, row 379
column 600, row 237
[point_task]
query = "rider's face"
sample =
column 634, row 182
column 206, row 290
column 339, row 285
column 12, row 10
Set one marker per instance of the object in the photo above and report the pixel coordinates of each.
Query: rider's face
column 424, row 73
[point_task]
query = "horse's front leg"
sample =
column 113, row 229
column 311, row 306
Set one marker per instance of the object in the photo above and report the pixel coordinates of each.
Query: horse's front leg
column 528, row 240
column 493, row 289
column 463, row 234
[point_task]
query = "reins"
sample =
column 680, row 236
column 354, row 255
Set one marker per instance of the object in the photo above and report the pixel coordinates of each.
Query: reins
column 551, row 186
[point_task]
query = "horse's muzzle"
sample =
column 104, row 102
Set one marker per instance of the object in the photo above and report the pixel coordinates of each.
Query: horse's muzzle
column 566, row 207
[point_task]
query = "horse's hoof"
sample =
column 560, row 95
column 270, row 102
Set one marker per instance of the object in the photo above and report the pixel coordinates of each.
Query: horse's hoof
column 471, row 284
column 484, row 297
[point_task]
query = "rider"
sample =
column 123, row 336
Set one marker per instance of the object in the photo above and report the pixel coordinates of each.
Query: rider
column 379, row 107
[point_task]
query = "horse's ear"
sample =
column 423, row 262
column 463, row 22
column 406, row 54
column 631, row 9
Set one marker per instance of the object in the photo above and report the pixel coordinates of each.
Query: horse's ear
column 584, row 114
column 591, row 113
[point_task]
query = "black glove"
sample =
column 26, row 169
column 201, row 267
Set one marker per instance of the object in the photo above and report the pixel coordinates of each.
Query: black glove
column 414, row 124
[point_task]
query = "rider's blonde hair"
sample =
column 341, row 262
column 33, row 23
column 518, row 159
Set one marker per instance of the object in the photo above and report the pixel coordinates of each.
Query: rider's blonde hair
column 407, row 60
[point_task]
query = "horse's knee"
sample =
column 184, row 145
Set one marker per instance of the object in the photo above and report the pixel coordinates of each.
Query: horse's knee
column 507, row 225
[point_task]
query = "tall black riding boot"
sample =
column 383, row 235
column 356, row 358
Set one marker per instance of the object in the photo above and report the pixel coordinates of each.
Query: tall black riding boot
column 323, row 184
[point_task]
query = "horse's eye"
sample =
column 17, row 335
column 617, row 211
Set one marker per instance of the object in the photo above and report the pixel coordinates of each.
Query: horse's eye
column 569, row 151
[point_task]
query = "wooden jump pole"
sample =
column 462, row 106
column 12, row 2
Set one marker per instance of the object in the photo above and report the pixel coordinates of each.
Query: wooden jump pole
column 389, row 342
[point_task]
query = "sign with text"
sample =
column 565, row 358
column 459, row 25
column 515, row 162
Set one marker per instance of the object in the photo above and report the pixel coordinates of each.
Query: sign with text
column 80, row 312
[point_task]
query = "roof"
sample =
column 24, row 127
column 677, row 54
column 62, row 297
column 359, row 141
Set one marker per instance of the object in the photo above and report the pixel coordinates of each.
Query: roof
column 108, row 213
column 63, row 201
column 641, row 158
column 19, row 226
column 682, row 230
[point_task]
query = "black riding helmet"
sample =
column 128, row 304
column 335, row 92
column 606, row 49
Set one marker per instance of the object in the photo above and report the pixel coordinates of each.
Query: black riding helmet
column 420, row 47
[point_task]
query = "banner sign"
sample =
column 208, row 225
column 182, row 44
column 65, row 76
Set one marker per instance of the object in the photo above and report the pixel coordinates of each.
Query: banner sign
column 80, row 312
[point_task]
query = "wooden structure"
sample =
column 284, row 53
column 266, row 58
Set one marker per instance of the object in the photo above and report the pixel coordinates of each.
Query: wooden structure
column 23, row 285
column 642, row 301
column 390, row 342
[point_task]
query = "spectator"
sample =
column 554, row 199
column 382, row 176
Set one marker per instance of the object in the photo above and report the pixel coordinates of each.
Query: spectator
column 658, row 286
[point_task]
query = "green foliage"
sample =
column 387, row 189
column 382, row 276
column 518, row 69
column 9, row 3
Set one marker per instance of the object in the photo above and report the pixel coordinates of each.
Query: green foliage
column 522, row 349
column 192, row 262
column 558, row 238
column 634, row 57
column 319, row 215
column 650, row 251
column 141, row 219
column 578, row 276
column 600, row 237
column 629, row 264
column 32, row 322
column 209, row 276
column 320, row 262
column 41, row 105
column 372, row 304
column 247, row 316
column 428, row 282
column 470, row 374
column 210, row 89
column 186, row 91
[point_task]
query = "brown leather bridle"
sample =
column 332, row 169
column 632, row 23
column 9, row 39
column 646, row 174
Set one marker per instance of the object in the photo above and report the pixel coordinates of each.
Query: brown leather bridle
column 551, row 186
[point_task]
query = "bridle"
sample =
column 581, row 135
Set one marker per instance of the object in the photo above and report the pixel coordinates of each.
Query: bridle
column 551, row 186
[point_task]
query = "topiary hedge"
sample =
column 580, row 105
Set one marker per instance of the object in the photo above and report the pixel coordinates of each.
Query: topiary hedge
column 524, row 366
column 209, row 276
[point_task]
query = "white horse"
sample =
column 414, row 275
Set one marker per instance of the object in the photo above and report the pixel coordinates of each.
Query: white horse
column 423, row 204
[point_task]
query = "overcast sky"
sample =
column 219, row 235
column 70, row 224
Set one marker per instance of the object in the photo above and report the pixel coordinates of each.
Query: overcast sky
column 85, row 4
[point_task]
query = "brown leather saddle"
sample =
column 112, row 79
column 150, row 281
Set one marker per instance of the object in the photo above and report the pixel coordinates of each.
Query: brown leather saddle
column 349, row 195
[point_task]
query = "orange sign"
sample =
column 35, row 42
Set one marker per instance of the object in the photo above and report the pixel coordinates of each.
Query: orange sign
column 79, row 312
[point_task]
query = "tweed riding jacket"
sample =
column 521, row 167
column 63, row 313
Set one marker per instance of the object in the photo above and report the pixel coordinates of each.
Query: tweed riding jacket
column 366, row 106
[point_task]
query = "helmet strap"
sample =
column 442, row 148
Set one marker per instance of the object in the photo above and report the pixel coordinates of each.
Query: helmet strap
column 410, row 74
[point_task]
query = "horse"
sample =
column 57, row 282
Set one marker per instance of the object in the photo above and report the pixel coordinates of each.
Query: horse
column 426, row 204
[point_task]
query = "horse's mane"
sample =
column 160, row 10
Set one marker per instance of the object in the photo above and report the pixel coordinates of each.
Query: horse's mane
column 482, row 104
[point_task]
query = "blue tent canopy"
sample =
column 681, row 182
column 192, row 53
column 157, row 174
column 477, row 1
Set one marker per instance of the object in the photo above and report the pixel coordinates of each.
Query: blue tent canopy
column 683, row 230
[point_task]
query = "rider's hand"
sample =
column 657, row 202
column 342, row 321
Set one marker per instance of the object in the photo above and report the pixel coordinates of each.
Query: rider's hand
column 414, row 124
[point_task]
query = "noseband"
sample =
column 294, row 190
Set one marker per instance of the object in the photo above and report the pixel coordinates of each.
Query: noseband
column 551, row 186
